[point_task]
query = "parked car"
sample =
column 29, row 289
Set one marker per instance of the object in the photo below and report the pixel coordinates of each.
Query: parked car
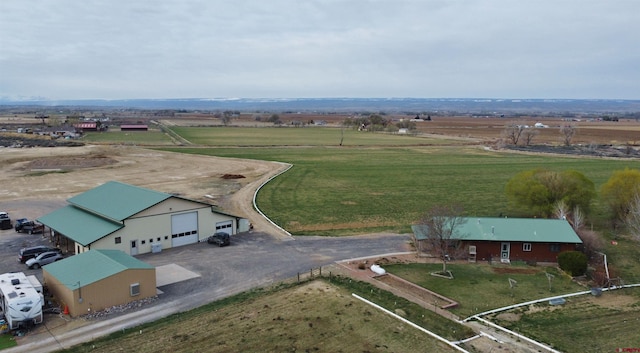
column 44, row 259
column 5, row 221
column 220, row 239
column 29, row 253
column 24, row 225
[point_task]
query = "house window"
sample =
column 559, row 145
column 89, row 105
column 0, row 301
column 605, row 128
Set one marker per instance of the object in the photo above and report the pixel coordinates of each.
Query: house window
column 118, row 240
column 526, row 247
column 554, row 247
column 134, row 289
column 144, row 242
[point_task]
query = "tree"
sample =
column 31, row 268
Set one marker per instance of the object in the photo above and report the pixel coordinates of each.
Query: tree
column 633, row 218
column 226, row 117
column 440, row 226
column 528, row 135
column 618, row 192
column 275, row 119
column 537, row 192
column 567, row 131
column 513, row 132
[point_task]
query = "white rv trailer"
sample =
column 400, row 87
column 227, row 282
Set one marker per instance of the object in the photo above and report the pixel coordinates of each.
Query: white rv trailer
column 21, row 299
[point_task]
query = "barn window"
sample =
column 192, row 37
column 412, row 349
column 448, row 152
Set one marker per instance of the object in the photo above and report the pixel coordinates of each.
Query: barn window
column 118, row 240
column 144, row 242
column 554, row 247
column 526, row 247
column 134, row 289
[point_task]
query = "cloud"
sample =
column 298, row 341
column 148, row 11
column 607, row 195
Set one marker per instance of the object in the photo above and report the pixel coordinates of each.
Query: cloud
column 286, row 48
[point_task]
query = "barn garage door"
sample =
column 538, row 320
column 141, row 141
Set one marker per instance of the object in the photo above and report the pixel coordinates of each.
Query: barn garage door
column 226, row 226
column 184, row 229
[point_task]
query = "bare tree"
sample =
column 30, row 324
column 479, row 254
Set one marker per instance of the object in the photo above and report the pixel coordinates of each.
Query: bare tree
column 567, row 131
column 528, row 135
column 513, row 132
column 440, row 226
column 577, row 218
column 633, row 217
column 561, row 210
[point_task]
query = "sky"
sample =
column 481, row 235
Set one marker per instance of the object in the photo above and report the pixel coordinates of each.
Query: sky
column 136, row 49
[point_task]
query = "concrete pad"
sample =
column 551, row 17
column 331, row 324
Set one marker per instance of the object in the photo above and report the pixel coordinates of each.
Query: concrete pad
column 172, row 273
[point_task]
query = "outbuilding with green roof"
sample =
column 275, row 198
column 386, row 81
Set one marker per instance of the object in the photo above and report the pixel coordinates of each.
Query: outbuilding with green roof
column 98, row 279
column 508, row 239
column 134, row 220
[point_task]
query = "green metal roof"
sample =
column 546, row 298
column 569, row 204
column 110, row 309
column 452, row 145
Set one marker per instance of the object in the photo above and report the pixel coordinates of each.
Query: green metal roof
column 533, row 230
column 118, row 201
column 92, row 266
column 81, row 226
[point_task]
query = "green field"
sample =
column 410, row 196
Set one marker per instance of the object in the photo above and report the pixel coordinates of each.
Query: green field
column 355, row 190
column 288, row 136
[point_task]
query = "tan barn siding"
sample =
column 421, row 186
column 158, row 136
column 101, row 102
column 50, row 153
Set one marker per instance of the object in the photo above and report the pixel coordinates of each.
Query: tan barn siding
column 148, row 226
column 115, row 290
column 111, row 291
column 62, row 295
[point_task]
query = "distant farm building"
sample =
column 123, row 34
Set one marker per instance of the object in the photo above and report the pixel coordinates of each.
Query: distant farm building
column 82, row 127
column 134, row 127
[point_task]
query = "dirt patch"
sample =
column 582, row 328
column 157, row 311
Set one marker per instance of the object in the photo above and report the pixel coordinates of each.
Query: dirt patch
column 68, row 163
column 507, row 270
column 232, row 176
column 613, row 300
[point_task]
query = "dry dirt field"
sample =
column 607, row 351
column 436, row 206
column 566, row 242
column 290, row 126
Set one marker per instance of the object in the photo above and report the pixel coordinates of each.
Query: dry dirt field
column 37, row 175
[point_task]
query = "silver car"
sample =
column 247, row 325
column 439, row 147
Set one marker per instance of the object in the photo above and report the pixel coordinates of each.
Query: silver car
column 43, row 259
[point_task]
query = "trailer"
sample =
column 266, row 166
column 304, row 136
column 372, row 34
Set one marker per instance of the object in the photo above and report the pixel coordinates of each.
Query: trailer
column 21, row 300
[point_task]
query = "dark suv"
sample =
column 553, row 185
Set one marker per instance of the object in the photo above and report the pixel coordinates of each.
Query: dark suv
column 29, row 253
column 219, row 238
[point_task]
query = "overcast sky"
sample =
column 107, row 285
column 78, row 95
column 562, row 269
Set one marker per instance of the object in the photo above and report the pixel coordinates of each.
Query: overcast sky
column 120, row 49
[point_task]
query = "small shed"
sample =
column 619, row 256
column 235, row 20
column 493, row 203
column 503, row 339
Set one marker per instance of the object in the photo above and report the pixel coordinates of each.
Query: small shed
column 99, row 279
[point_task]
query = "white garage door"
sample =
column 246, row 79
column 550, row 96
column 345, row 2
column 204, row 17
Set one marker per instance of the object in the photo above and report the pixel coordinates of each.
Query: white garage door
column 226, row 226
column 184, row 229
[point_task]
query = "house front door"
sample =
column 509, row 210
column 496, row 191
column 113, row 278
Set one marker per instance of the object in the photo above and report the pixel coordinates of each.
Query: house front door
column 505, row 249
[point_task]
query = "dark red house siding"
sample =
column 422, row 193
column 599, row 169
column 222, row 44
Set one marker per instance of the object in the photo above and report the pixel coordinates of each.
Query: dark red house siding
column 540, row 252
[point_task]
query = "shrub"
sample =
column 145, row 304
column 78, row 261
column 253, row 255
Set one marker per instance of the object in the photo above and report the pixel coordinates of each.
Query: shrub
column 573, row 262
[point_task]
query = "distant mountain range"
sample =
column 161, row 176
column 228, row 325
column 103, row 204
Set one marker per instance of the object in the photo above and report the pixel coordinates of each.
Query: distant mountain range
column 417, row 105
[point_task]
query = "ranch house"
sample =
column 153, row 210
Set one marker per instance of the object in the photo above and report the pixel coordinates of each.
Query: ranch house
column 510, row 239
column 135, row 220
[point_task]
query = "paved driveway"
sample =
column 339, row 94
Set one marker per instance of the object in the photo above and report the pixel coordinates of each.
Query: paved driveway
column 253, row 259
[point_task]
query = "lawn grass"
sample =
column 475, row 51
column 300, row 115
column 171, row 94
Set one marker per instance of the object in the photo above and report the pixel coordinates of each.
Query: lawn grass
column 288, row 136
column 583, row 324
column 355, row 190
column 314, row 316
column 479, row 288
column 7, row 341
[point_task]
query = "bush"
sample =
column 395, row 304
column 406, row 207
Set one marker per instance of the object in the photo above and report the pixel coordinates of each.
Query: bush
column 573, row 262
